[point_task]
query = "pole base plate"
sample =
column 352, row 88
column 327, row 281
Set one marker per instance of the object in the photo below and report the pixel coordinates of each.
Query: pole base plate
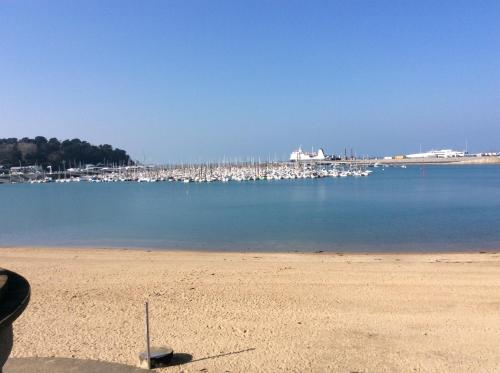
column 159, row 357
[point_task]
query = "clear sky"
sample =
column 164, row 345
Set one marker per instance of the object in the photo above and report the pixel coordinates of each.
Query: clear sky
column 188, row 80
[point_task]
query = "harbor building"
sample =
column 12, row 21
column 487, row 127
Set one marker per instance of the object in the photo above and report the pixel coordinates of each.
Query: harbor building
column 443, row 153
column 25, row 170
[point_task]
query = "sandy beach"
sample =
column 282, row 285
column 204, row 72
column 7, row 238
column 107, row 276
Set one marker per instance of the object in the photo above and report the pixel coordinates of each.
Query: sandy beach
column 264, row 312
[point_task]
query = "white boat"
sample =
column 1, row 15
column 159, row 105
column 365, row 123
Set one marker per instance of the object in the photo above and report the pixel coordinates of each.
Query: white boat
column 299, row 155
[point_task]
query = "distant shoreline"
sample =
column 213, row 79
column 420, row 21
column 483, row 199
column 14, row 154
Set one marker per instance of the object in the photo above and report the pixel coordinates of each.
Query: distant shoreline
column 189, row 251
column 97, row 176
column 446, row 161
column 459, row 161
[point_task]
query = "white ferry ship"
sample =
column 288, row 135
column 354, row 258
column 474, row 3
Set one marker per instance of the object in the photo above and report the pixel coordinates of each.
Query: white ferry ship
column 299, row 155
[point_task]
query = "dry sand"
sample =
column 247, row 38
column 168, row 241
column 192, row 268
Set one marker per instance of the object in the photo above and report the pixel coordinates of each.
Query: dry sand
column 255, row 312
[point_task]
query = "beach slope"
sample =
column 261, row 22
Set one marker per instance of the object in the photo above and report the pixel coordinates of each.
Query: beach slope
column 264, row 312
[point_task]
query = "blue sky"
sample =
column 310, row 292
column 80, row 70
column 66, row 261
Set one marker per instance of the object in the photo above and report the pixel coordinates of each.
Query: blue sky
column 188, row 80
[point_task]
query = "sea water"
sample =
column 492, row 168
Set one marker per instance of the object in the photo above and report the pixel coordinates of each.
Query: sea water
column 430, row 208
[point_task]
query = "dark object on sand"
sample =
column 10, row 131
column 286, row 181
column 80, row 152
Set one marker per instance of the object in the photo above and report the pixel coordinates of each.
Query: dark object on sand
column 159, row 357
column 14, row 297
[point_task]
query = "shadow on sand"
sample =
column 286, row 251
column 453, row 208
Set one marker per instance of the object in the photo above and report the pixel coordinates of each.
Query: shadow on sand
column 182, row 358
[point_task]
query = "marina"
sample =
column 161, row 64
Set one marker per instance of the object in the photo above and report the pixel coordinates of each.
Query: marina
column 300, row 165
column 205, row 173
column 230, row 172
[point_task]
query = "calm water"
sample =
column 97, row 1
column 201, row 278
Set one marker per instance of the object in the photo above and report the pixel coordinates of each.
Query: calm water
column 431, row 208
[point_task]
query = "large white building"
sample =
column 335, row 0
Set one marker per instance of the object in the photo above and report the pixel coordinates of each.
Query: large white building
column 443, row 153
column 299, row 155
column 25, row 170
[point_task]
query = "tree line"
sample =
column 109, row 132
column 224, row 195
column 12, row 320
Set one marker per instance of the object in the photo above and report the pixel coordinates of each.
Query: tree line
column 58, row 154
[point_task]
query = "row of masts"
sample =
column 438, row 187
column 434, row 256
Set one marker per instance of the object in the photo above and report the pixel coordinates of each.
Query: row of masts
column 247, row 171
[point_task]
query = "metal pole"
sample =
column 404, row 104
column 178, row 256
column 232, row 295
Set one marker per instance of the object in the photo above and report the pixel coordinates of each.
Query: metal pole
column 147, row 335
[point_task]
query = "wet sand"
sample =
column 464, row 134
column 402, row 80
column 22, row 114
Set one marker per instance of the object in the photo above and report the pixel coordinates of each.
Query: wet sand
column 264, row 312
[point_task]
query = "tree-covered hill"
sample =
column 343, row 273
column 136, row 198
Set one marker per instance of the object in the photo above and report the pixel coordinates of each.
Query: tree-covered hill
column 55, row 153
